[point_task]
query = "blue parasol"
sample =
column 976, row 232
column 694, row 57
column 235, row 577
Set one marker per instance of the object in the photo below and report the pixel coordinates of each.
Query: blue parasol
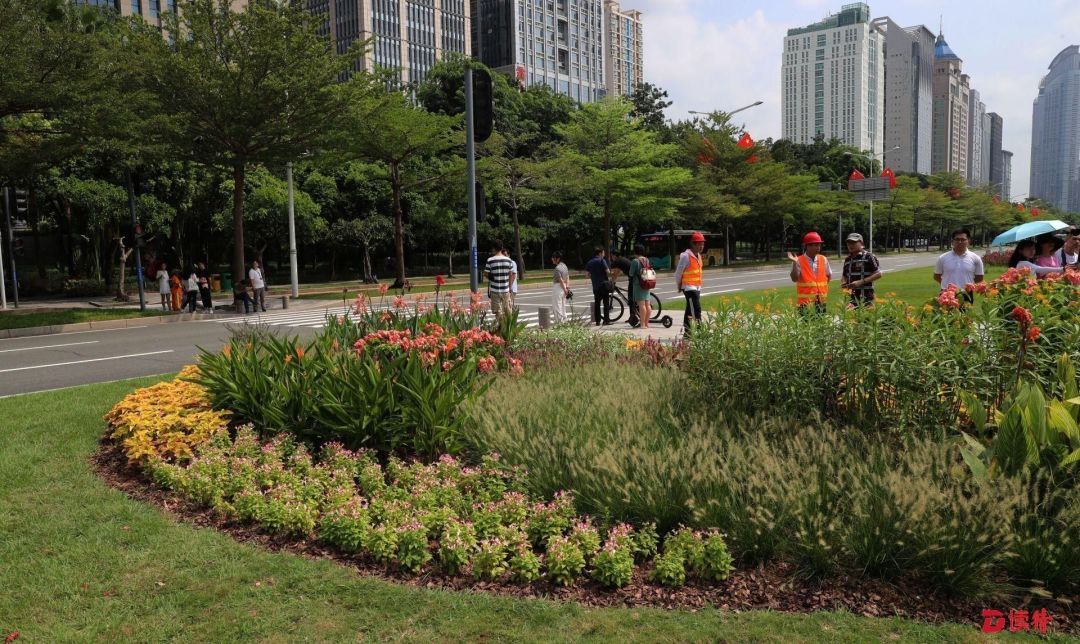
column 1027, row 231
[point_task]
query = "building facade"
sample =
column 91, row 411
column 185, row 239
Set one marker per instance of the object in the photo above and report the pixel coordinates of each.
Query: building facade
column 951, row 105
column 624, row 66
column 833, row 81
column 909, row 106
column 150, row 10
column 407, row 35
column 558, row 43
column 1055, row 133
column 985, row 171
column 997, row 171
column 1006, row 175
column 976, row 117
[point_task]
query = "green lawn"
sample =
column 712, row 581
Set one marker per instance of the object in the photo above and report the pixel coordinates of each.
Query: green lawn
column 914, row 286
column 22, row 318
column 83, row 562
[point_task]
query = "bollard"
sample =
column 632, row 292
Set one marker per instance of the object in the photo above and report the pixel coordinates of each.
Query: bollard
column 545, row 317
column 284, row 301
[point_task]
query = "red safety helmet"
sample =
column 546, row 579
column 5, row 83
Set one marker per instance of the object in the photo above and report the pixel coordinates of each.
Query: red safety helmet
column 697, row 237
column 812, row 238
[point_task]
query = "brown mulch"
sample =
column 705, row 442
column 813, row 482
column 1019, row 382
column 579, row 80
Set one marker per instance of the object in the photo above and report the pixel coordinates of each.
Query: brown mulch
column 775, row 586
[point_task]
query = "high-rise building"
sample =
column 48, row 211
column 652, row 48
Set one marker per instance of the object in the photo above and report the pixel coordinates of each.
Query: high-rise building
column 1006, row 175
column 976, row 117
column 407, row 35
column 150, row 10
column 558, row 43
column 833, row 79
column 909, row 106
column 997, row 176
column 1055, row 133
column 951, row 104
column 624, row 66
column 984, row 172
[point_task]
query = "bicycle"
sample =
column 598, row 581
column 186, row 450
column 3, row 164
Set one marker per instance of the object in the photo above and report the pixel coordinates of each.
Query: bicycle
column 620, row 301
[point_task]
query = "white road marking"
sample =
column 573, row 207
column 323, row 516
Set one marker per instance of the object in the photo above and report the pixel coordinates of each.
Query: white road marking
column 143, row 326
column 64, row 364
column 51, row 346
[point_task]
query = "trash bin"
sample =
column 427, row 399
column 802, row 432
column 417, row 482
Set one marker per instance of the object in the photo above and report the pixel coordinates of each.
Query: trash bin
column 226, row 281
column 215, row 282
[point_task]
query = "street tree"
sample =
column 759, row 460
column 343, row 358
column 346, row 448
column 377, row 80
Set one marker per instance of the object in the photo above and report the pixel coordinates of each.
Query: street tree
column 239, row 88
column 649, row 103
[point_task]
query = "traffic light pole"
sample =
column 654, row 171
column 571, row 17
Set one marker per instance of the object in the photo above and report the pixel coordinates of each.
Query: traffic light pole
column 3, row 287
column 137, row 234
column 470, row 161
column 11, row 247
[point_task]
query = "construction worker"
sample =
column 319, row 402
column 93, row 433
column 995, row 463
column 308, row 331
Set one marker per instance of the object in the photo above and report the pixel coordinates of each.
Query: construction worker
column 688, row 279
column 811, row 273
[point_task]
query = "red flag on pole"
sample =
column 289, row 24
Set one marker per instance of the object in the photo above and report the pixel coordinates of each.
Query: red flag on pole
column 856, row 175
column 746, row 142
column 887, row 172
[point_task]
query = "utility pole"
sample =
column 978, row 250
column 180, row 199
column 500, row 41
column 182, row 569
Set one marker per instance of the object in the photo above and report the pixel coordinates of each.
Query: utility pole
column 294, row 271
column 137, row 233
column 11, row 247
column 470, row 161
column 3, row 287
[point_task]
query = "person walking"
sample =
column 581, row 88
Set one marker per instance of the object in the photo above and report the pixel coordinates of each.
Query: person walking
column 560, row 288
column 642, row 281
column 176, row 286
column 163, row 286
column 204, row 287
column 192, row 289
column 600, row 275
column 620, row 265
column 960, row 266
column 497, row 270
column 258, row 286
column 861, row 270
column 688, row 279
column 811, row 273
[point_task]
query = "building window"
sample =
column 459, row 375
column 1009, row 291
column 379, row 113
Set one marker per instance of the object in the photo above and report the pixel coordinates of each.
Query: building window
column 136, row 7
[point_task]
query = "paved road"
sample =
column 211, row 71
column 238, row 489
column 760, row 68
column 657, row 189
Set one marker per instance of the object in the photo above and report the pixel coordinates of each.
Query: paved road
column 62, row 360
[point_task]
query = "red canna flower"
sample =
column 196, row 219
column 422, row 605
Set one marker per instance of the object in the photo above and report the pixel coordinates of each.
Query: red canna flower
column 1033, row 334
column 1021, row 315
column 440, row 281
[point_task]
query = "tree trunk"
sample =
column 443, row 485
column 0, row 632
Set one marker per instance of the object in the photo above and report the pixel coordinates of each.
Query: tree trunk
column 122, row 255
column 399, row 225
column 333, row 263
column 69, row 238
column 34, row 218
column 607, row 223
column 517, row 243
column 238, row 220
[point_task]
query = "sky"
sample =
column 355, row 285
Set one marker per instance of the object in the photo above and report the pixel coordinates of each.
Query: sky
column 723, row 55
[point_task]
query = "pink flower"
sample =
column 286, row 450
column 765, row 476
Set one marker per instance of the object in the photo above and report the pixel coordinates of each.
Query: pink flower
column 947, row 298
column 1073, row 277
column 516, row 369
column 486, row 364
column 383, row 288
column 399, row 302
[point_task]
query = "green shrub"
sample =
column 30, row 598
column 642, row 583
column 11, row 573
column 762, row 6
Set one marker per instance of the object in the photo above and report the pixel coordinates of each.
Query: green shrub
column 716, row 561
column 565, row 561
column 489, row 562
column 525, row 565
column 613, row 565
column 670, row 568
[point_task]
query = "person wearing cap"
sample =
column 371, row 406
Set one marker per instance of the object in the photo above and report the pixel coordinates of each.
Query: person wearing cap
column 960, row 266
column 861, row 270
column 560, row 288
column 811, row 273
column 688, row 279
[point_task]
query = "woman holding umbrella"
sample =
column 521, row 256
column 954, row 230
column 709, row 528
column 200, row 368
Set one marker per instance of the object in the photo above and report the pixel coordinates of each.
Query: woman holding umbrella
column 1024, row 257
column 1047, row 245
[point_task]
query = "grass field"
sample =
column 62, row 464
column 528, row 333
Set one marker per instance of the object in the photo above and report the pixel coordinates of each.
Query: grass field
column 19, row 319
column 84, row 562
column 914, row 286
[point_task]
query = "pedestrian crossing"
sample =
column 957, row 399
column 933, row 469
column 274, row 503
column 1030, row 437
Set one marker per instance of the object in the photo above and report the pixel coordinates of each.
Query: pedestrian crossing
column 316, row 318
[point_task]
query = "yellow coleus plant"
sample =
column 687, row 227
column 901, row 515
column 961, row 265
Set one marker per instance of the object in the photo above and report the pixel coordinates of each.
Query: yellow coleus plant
column 166, row 421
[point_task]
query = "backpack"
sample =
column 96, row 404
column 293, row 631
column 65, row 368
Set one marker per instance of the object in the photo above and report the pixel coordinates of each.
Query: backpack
column 647, row 278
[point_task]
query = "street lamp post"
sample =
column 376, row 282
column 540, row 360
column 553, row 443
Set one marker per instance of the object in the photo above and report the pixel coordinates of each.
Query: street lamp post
column 727, row 227
column 873, row 157
column 294, row 272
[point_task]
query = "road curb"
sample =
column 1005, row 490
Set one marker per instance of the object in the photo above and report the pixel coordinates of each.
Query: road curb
column 100, row 325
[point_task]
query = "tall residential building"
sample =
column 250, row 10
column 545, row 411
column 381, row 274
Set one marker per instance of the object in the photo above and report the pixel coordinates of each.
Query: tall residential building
column 909, row 106
column 1006, row 175
column 407, row 35
column 976, row 117
column 984, row 172
column 150, row 10
column 1055, row 133
column 951, row 104
column 558, row 43
column 624, row 66
column 833, row 77
column 997, row 176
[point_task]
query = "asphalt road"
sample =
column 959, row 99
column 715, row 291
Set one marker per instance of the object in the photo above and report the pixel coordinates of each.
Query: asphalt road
column 56, row 361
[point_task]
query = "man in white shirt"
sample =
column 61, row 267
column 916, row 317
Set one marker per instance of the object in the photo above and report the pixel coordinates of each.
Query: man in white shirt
column 960, row 266
column 258, row 285
column 1070, row 252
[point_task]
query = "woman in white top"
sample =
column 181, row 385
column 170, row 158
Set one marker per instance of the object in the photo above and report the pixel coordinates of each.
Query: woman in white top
column 1023, row 257
column 163, row 286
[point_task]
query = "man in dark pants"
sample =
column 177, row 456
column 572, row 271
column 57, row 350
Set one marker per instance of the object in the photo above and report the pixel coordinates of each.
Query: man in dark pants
column 621, row 265
column 688, row 279
column 599, row 273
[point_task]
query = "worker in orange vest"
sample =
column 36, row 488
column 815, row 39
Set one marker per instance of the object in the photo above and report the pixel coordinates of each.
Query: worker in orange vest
column 688, row 279
column 811, row 273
